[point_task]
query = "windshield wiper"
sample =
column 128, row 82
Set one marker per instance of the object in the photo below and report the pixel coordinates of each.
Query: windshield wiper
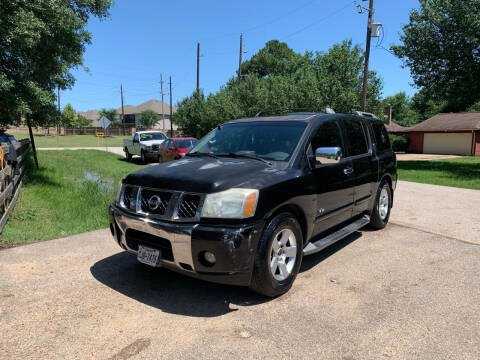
column 201, row 154
column 248, row 156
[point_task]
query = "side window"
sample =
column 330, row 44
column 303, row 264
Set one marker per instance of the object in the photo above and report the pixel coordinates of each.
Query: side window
column 381, row 137
column 327, row 135
column 356, row 137
column 135, row 137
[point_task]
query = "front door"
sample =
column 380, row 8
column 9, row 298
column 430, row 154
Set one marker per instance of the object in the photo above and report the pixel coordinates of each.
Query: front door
column 136, row 144
column 334, row 181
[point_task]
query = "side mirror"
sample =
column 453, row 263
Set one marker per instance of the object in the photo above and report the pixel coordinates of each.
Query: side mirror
column 328, row 155
column 135, row 140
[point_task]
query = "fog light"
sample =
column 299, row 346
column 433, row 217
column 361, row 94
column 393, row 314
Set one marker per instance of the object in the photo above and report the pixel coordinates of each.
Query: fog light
column 209, row 257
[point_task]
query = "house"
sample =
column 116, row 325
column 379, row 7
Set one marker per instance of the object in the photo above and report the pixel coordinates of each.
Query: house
column 133, row 114
column 453, row 134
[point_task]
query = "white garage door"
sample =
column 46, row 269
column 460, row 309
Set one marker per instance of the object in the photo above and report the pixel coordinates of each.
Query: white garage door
column 449, row 143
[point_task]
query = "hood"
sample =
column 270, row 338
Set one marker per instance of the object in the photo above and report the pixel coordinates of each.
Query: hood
column 152, row 142
column 207, row 175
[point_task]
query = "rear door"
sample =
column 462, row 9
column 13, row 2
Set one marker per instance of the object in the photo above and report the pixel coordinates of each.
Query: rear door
column 333, row 181
column 364, row 165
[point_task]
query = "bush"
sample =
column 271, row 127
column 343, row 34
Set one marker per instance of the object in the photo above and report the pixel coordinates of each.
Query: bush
column 399, row 142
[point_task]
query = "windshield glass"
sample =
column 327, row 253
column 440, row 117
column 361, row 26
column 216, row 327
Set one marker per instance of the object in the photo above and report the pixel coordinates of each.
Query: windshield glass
column 186, row 143
column 152, row 136
column 267, row 140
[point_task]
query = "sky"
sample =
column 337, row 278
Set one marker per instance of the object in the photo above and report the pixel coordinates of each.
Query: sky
column 145, row 38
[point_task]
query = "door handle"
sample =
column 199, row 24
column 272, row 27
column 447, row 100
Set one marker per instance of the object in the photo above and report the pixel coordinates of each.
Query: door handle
column 348, row 170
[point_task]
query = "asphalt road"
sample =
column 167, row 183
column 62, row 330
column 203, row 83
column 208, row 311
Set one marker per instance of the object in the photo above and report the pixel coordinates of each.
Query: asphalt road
column 406, row 292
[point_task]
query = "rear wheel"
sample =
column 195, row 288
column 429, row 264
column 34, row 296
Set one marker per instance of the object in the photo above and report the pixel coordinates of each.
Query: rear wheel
column 382, row 207
column 278, row 257
column 128, row 156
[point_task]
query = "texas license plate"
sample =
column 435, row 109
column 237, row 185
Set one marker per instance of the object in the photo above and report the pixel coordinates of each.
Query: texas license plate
column 148, row 255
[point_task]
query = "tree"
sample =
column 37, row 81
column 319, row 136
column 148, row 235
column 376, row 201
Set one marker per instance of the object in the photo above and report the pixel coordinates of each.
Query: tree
column 403, row 112
column 278, row 81
column 110, row 114
column 148, row 118
column 441, row 47
column 82, row 121
column 40, row 42
column 69, row 116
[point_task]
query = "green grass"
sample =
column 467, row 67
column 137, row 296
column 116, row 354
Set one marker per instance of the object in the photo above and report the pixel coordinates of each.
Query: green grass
column 42, row 141
column 57, row 200
column 462, row 172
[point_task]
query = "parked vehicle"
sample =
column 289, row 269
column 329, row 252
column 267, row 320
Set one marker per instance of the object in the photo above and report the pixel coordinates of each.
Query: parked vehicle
column 146, row 144
column 178, row 147
column 6, row 138
column 256, row 195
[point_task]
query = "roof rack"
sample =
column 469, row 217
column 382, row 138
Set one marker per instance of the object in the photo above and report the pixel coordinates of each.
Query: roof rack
column 365, row 114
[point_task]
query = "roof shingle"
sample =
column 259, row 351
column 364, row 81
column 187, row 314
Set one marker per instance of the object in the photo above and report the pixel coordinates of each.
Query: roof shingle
column 450, row 122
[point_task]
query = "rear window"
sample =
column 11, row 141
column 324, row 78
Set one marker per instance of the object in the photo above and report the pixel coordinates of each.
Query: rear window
column 186, row 143
column 381, row 137
column 356, row 137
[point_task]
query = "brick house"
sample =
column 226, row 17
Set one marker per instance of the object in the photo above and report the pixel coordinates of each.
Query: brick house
column 452, row 134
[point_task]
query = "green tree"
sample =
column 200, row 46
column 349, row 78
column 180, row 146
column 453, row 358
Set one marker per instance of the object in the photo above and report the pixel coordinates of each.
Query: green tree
column 82, row 121
column 110, row 114
column 278, row 81
column 403, row 112
column 441, row 46
column 148, row 118
column 40, row 42
column 69, row 116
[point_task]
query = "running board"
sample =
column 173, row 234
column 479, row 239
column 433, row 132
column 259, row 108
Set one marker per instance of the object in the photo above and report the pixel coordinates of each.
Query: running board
column 321, row 244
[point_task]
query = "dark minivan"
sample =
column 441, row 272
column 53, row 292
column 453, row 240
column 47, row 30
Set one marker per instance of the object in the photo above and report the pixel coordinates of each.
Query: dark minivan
column 256, row 195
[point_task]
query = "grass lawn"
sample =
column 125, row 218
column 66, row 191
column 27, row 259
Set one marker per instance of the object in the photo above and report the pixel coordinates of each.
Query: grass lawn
column 69, row 194
column 462, row 172
column 42, row 141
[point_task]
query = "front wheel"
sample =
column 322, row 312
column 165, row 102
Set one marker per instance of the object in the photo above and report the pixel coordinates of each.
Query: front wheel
column 382, row 207
column 278, row 257
column 144, row 157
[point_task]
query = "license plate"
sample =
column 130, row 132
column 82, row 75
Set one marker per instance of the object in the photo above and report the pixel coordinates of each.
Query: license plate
column 148, row 255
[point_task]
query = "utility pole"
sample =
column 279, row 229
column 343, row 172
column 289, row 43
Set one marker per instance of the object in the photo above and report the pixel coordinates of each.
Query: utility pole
column 163, row 111
column 367, row 55
column 58, row 103
column 171, row 111
column 240, row 59
column 123, row 112
column 198, row 67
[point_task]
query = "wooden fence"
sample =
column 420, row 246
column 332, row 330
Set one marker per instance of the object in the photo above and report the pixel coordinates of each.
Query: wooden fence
column 12, row 169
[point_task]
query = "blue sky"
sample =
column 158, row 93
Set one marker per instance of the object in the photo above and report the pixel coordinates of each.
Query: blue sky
column 144, row 38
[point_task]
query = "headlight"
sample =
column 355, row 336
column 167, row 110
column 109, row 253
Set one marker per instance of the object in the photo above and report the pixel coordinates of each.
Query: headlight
column 119, row 192
column 232, row 204
column 147, row 147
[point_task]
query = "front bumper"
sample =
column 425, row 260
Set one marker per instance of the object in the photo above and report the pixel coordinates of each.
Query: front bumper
column 183, row 244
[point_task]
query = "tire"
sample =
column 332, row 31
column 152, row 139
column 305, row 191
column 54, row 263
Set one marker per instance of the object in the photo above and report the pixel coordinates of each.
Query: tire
column 128, row 156
column 144, row 157
column 271, row 279
column 381, row 210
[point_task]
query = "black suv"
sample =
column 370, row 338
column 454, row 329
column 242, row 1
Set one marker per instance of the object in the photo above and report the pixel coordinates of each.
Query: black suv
column 256, row 195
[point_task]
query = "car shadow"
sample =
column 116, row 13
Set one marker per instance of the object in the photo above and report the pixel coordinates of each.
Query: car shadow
column 179, row 294
column 168, row 291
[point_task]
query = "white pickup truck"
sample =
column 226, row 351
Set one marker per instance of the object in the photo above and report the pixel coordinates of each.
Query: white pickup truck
column 146, row 144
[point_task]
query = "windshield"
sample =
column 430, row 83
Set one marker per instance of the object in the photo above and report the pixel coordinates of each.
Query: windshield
column 152, row 136
column 186, row 143
column 267, row 140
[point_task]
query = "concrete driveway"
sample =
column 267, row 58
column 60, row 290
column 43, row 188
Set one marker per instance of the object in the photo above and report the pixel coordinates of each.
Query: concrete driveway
column 407, row 292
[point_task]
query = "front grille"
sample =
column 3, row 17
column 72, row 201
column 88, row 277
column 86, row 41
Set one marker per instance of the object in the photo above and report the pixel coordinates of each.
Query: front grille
column 155, row 147
column 161, row 204
column 188, row 207
column 134, row 237
column 155, row 202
